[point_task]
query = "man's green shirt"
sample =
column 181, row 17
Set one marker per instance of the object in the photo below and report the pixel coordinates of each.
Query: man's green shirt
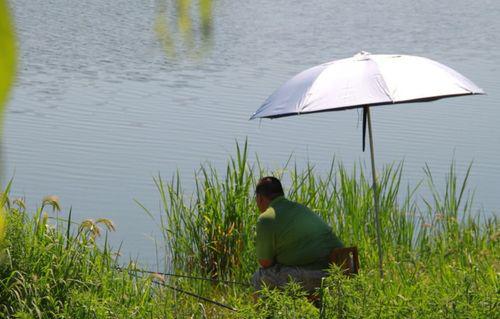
column 291, row 234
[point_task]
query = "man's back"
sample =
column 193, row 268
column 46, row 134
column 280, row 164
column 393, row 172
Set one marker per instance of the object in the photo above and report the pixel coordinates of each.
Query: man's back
column 291, row 234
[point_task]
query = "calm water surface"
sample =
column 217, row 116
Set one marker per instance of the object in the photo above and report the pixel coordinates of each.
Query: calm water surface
column 111, row 93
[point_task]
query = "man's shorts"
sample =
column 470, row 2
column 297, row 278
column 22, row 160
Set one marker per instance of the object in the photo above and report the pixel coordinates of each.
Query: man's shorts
column 277, row 276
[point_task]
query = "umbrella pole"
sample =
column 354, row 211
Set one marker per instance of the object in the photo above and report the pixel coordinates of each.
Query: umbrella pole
column 366, row 109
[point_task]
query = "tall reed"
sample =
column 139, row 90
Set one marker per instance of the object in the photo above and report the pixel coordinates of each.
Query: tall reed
column 211, row 231
column 52, row 267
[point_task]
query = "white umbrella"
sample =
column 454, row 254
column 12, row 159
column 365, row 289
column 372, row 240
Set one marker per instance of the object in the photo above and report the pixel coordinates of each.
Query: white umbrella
column 362, row 81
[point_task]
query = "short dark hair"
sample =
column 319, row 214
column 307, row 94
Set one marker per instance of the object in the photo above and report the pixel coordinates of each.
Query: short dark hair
column 269, row 187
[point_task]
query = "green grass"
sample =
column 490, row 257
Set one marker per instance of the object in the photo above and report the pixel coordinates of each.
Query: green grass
column 441, row 258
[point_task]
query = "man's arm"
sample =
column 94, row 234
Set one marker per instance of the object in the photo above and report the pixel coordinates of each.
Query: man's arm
column 265, row 242
column 265, row 263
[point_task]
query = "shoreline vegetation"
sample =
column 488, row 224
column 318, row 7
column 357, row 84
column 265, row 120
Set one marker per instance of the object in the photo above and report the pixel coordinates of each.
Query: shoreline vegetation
column 441, row 258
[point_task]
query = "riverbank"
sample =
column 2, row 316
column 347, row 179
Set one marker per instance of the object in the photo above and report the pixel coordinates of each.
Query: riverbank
column 441, row 260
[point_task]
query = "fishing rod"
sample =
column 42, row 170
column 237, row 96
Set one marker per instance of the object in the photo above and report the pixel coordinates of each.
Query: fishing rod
column 160, row 283
column 186, row 276
column 195, row 295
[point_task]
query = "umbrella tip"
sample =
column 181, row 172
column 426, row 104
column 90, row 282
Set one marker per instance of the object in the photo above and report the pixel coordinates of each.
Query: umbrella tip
column 362, row 55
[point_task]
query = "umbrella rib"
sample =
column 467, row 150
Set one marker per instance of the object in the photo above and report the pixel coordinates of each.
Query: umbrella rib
column 382, row 82
column 305, row 101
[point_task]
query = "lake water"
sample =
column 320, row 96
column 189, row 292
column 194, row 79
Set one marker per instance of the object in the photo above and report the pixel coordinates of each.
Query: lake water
column 111, row 93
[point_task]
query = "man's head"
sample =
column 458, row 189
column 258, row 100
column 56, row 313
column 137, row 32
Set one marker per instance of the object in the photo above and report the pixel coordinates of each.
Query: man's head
column 268, row 188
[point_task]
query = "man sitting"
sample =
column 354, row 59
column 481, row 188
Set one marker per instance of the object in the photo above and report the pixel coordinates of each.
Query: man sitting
column 292, row 241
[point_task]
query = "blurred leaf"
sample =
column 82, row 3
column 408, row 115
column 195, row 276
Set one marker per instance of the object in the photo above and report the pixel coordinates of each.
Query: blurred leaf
column 7, row 54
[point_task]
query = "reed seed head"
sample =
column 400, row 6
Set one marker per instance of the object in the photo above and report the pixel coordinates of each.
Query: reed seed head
column 107, row 222
column 19, row 202
column 53, row 201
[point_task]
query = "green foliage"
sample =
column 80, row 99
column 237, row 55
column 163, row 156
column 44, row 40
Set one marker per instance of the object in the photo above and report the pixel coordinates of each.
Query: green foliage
column 454, row 291
column 292, row 302
column 441, row 261
column 53, row 272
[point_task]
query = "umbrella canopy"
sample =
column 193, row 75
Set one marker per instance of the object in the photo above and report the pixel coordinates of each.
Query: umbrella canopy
column 362, row 81
column 365, row 79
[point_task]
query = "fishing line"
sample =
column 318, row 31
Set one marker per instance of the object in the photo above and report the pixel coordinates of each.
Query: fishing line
column 186, row 276
column 160, row 283
column 195, row 295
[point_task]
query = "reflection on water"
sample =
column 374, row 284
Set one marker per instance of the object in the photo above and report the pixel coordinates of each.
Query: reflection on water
column 206, row 20
column 192, row 35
